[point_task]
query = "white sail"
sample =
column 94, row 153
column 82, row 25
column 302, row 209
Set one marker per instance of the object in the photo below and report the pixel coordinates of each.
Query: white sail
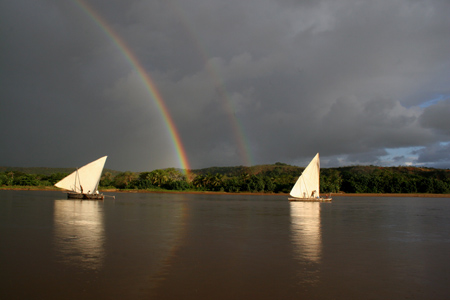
column 307, row 185
column 84, row 180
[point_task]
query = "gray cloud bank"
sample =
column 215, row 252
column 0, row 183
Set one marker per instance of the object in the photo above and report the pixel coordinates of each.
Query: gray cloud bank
column 244, row 81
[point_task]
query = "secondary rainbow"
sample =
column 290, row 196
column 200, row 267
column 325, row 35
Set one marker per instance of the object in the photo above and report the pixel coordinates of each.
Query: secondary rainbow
column 239, row 133
column 148, row 82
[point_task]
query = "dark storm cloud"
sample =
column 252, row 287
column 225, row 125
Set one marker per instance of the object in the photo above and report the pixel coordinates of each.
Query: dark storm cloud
column 437, row 117
column 284, row 78
column 436, row 155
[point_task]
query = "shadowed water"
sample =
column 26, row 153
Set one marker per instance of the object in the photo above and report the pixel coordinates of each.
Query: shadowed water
column 187, row 246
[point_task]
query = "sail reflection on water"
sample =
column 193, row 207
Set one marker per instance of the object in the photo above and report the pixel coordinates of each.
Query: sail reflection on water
column 79, row 233
column 305, row 230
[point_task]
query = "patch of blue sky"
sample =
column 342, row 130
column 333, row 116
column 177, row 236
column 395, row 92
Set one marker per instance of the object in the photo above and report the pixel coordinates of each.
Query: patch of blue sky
column 405, row 156
column 435, row 100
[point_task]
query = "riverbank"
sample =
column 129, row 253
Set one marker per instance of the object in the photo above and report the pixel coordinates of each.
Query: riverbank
column 392, row 195
column 50, row 188
column 286, row 194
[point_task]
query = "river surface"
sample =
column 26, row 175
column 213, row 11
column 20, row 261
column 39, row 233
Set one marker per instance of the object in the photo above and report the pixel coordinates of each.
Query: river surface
column 188, row 246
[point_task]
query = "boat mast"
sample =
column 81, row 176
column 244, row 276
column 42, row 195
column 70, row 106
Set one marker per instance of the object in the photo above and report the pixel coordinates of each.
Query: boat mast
column 79, row 181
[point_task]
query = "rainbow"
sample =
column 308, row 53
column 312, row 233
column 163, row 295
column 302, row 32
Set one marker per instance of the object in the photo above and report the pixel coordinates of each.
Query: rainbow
column 148, row 82
column 239, row 133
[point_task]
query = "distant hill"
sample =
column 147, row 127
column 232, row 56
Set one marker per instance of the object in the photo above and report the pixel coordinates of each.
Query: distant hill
column 47, row 171
column 266, row 170
column 275, row 169
column 404, row 170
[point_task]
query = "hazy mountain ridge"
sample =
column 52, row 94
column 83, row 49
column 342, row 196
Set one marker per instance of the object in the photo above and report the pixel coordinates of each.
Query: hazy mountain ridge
column 46, row 170
column 277, row 168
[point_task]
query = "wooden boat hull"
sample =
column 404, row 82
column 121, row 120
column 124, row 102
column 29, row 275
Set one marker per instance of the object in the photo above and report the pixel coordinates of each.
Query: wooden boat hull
column 320, row 199
column 85, row 196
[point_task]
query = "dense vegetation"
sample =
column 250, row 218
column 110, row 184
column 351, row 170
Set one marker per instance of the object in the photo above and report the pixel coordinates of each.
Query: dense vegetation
column 277, row 178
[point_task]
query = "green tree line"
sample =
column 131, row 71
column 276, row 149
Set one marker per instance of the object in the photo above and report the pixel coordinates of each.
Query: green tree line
column 277, row 178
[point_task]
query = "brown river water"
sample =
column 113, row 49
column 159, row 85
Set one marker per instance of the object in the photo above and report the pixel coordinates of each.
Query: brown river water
column 193, row 246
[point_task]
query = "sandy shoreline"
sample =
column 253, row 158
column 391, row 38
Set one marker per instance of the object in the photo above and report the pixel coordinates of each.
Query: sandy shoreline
column 32, row 188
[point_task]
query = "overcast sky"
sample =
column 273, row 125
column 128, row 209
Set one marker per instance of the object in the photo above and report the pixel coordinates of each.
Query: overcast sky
column 246, row 82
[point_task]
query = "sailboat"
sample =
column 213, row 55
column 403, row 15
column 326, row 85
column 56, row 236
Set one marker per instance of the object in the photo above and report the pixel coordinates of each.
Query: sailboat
column 307, row 186
column 83, row 183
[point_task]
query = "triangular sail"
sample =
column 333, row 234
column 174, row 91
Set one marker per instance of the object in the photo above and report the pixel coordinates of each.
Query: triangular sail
column 84, row 180
column 307, row 185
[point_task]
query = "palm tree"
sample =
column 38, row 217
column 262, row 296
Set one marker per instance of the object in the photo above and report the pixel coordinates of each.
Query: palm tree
column 216, row 181
column 124, row 179
column 158, row 177
column 198, row 181
column 106, row 179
